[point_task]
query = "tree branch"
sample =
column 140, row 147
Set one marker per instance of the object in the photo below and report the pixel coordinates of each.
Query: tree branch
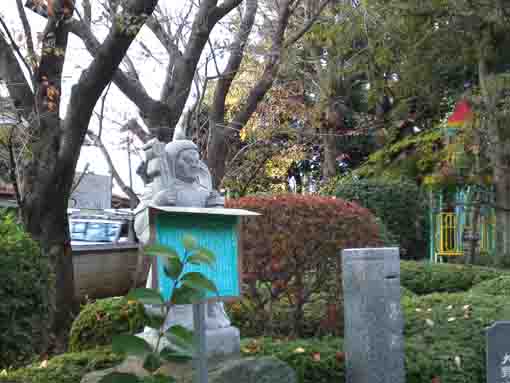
column 155, row 112
column 93, row 81
column 116, row 176
column 17, row 85
column 206, row 18
column 134, row 127
column 16, row 48
column 292, row 40
column 28, row 33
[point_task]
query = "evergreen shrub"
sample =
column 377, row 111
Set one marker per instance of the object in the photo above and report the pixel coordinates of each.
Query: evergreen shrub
column 65, row 368
column 426, row 278
column 401, row 206
column 24, row 276
column 100, row 321
column 291, row 254
column 499, row 286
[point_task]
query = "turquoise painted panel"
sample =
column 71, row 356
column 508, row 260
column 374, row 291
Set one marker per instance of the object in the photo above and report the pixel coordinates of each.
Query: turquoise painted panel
column 216, row 233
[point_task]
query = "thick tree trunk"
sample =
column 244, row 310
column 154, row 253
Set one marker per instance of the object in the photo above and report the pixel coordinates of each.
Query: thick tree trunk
column 492, row 89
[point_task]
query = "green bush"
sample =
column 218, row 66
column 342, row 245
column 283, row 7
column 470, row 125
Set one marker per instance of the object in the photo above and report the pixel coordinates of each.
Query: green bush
column 290, row 254
column 23, row 303
column 399, row 204
column 498, row 286
column 426, row 278
column 442, row 327
column 314, row 360
column 98, row 322
column 453, row 350
column 66, row 368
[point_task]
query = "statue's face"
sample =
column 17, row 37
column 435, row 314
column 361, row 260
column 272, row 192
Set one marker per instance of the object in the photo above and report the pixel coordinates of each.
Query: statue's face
column 187, row 166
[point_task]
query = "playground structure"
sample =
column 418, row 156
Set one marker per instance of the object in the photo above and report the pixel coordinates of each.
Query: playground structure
column 461, row 218
column 461, row 196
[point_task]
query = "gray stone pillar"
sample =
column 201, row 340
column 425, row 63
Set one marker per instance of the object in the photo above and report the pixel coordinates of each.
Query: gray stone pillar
column 373, row 334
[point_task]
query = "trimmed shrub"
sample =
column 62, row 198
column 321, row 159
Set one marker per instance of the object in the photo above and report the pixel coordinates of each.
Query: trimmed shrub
column 401, row 206
column 445, row 335
column 314, row 360
column 291, row 253
column 243, row 315
column 66, row 368
column 23, row 303
column 498, row 286
column 426, row 278
column 98, row 322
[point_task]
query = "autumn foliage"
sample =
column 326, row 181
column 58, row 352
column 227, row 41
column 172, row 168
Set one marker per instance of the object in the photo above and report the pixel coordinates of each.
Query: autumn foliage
column 292, row 251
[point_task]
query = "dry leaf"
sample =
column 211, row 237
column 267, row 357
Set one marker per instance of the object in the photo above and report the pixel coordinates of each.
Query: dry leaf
column 299, row 350
column 340, row 356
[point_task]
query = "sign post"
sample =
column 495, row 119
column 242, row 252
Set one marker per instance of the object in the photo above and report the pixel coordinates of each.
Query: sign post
column 216, row 230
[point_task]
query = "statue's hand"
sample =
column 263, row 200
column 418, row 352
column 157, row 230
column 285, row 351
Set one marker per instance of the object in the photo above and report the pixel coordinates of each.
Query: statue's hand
column 166, row 197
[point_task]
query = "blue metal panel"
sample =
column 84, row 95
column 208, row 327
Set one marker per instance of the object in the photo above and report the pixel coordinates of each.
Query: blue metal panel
column 216, row 233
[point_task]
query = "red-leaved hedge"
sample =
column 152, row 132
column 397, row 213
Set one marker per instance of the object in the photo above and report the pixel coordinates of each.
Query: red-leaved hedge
column 292, row 252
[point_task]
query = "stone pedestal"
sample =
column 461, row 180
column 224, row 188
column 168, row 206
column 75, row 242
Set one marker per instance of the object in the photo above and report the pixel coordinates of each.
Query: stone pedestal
column 373, row 336
column 220, row 343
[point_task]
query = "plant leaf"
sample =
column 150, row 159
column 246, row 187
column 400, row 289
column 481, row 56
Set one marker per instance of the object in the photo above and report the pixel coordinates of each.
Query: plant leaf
column 181, row 337
column 160, row 251
column 199, row 282
column 175, row 356
column 146, row 296
column 189, row 242
column 152, row 362
column 130, row 344
column 119, row 377
column 202, row 256
column 184, row 295
column 173, row 268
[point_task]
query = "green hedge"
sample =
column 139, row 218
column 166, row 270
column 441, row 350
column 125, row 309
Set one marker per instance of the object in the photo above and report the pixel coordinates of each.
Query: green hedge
column 498, row 286
column 426, row 278
column 66, row 368
column 23, row 302
column 98, row 322
column 453, row 350
column 314, row 360
column 401, row 206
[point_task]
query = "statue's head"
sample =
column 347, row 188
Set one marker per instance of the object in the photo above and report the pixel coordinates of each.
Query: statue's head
column 184, row 160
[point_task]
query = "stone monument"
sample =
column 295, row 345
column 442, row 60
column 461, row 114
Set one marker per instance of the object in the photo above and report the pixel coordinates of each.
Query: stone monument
column 373, row 335
column 498, row 352
column 179, row 178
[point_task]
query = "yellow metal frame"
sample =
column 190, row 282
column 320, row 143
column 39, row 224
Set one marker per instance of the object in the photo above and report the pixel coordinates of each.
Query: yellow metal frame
column 449, row 243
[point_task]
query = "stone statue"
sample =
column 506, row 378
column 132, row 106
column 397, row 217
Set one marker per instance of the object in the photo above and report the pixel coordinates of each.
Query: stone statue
column 179, row 178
